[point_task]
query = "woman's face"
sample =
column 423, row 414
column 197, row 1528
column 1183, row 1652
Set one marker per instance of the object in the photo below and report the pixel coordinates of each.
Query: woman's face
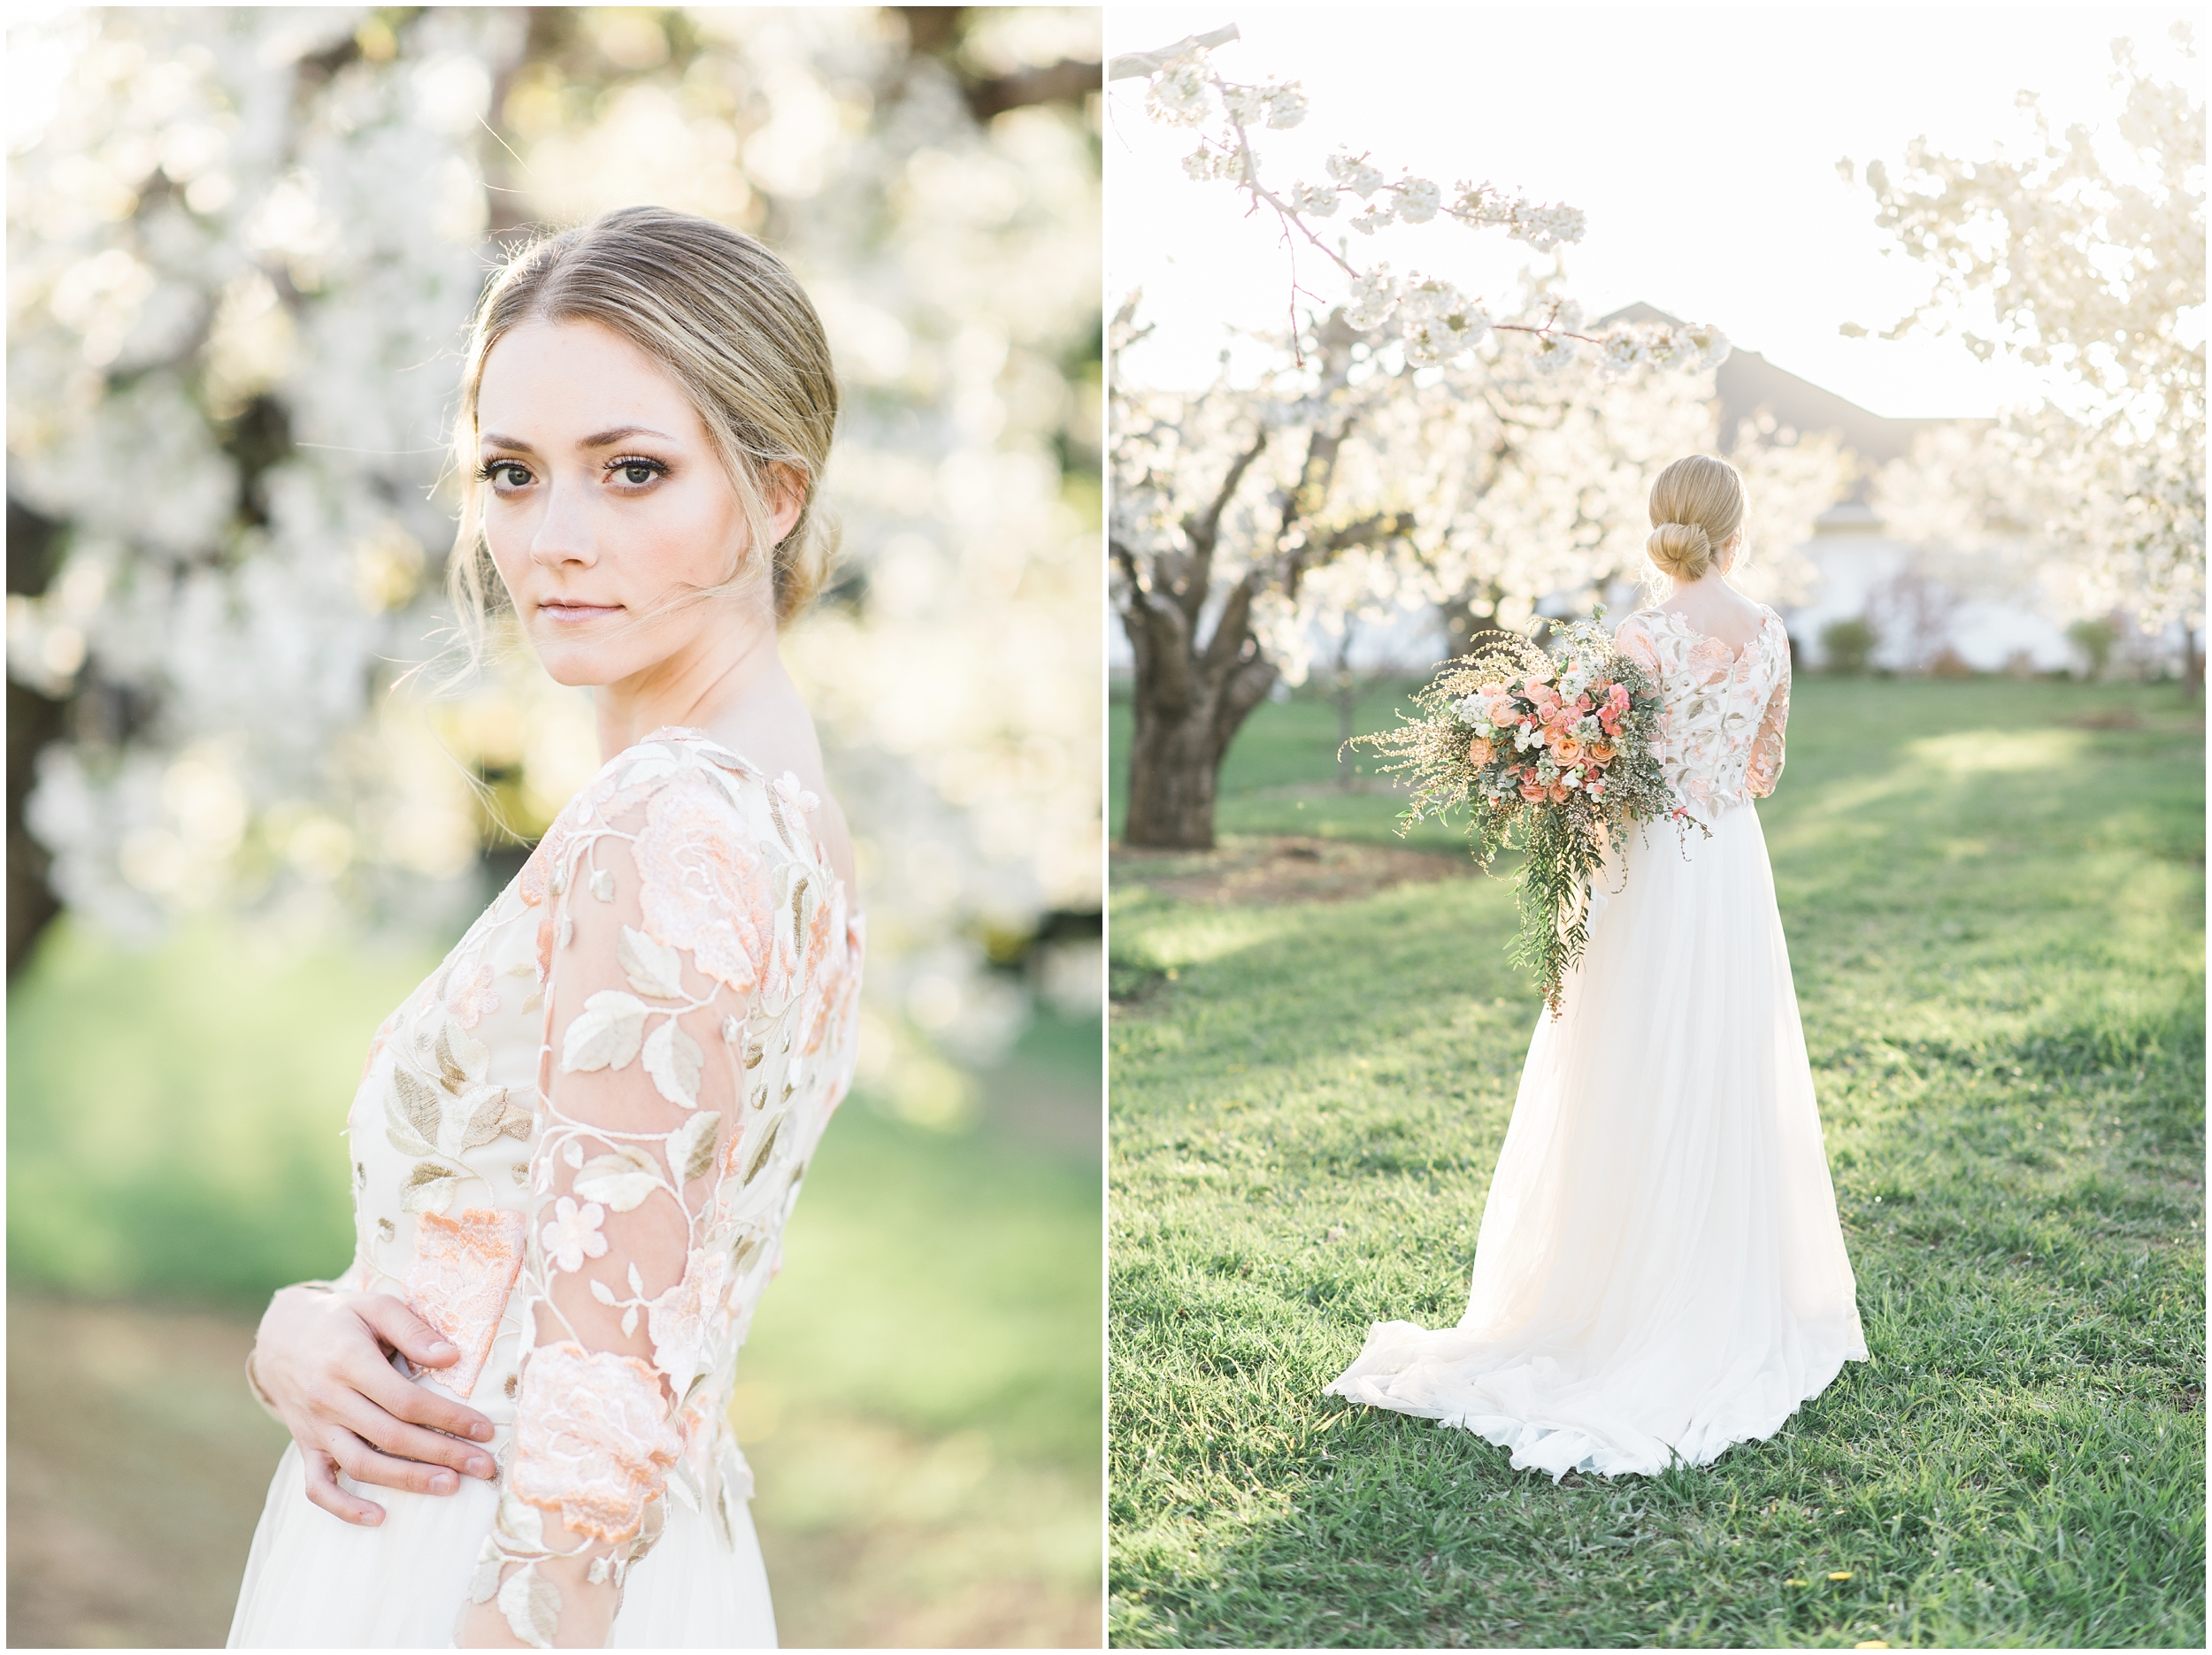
column 604, row 499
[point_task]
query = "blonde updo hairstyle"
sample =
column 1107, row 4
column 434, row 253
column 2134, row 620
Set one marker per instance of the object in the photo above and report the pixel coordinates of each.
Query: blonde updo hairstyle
column 725, row 318
column 1696, row 504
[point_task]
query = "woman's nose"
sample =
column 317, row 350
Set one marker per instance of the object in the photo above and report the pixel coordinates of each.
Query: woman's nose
column 563, row 533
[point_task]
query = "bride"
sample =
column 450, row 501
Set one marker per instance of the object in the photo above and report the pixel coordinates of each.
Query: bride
column 575, row 1145
column 1660, row 1272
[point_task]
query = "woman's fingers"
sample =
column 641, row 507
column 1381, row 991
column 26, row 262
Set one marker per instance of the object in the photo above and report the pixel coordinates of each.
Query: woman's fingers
column 323, row 1490
column 363, row 1464
column 406, row 1331
column 417, row 1406
column 376, row 1426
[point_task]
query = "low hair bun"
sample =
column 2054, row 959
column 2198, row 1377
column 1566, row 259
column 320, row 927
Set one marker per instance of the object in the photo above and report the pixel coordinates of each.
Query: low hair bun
column 1697, row 507
column 1682, row 551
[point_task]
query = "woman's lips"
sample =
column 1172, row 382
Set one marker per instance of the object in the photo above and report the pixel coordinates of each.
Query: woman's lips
column 570, row 613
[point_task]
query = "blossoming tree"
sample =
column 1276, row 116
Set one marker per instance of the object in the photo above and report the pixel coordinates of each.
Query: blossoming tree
column 1410, row 447
column 245, row 244
column 2082, row 255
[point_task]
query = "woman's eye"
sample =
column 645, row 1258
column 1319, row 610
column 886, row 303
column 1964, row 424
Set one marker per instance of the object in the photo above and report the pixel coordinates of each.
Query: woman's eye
column 506, row 474
column 639, row 475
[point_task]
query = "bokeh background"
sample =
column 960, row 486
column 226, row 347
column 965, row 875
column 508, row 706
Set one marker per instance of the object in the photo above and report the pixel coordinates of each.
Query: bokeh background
column 249, row 805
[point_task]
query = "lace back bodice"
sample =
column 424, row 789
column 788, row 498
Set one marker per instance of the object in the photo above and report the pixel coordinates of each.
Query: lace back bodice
column 1725, row 709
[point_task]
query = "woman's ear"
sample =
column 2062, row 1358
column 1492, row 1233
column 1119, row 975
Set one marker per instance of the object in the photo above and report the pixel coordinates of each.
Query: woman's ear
column 787, row 498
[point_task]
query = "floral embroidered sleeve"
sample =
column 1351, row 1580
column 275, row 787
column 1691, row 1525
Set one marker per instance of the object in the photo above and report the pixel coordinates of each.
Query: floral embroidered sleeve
column 1635, row 643
column 1766, row 747
column 655, row 940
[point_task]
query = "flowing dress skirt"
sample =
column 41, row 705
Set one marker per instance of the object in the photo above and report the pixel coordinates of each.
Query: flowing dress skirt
column 313, row 1581
column 1660, row 1272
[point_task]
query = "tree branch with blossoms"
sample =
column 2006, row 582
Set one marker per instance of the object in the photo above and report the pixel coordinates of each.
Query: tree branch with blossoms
column 1428, row 315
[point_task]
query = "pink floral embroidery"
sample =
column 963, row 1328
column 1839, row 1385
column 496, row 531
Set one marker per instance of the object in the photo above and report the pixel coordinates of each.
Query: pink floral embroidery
column 473, row 1000
column 574, row 1234
column 705, row 889
column 1720, row 732
column 593, row 1440
column 535, row 882
column 458, row 1282
column 682, row 1320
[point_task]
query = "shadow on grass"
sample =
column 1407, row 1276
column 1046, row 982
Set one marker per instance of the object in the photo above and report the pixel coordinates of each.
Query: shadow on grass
column 1999, row 956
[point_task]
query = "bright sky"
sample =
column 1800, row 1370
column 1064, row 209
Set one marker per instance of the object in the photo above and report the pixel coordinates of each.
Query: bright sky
column 1701, row 143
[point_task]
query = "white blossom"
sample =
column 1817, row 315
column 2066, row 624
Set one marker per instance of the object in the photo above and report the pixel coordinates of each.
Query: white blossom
column 1313, row 198
column 1374, row 298
column 1181, row 92
column 1353, row 174
column 1418, row 199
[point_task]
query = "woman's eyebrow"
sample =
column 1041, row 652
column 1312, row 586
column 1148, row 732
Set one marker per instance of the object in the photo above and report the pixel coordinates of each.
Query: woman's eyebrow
column 603, row 439
column 597, row 440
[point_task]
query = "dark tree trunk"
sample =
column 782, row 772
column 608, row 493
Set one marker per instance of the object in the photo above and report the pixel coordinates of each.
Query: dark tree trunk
column 1345, row 691
column 1175, row 761
column 2191, row 664
column 32, row 722
column 1192, row 694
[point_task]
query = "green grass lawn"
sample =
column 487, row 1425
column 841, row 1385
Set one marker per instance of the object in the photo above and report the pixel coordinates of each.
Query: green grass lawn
column 1994, row 909
column 920, row 1394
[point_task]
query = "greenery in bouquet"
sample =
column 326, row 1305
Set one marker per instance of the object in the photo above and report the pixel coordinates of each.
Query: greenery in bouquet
column 1554, row 751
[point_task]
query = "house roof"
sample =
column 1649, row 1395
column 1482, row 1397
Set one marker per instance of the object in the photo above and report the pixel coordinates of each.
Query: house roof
column 1748, row 385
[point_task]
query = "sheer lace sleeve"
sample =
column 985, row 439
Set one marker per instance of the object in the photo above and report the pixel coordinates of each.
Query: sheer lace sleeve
column 655, row 942
column 1635, row 643
column 1766, row 747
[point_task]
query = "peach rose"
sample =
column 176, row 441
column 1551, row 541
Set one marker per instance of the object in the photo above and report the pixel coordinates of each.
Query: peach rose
column 1480, row 752
column 1599, row 752
column 1567, row 750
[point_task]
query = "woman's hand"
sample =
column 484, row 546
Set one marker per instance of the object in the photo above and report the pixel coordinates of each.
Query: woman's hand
column 323, row 1360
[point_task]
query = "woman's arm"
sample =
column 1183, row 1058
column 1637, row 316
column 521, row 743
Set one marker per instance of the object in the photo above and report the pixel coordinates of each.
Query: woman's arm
column 1767, row 746
column 321, row 1365
column 658, row 920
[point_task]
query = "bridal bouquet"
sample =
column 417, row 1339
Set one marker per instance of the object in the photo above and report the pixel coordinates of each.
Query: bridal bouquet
column 1551, row 752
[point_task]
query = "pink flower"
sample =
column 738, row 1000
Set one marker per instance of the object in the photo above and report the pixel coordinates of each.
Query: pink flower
column 593, row 1440
column 575, row 1235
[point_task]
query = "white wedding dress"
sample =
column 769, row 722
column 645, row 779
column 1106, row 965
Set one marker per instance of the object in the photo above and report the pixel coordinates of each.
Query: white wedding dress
column 1660, row 1272
column 574, row 1150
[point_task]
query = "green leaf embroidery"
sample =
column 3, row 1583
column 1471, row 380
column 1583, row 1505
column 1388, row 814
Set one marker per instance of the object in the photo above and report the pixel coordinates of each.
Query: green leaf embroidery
column 754, row 1162
column 411, row 1113
column 691, row 1146
column 496, row 1111
column 429, row 1187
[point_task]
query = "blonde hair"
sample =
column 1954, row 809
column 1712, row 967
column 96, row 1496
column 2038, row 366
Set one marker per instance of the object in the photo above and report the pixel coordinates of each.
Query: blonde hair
column 730, row 323
column 1696, row 503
